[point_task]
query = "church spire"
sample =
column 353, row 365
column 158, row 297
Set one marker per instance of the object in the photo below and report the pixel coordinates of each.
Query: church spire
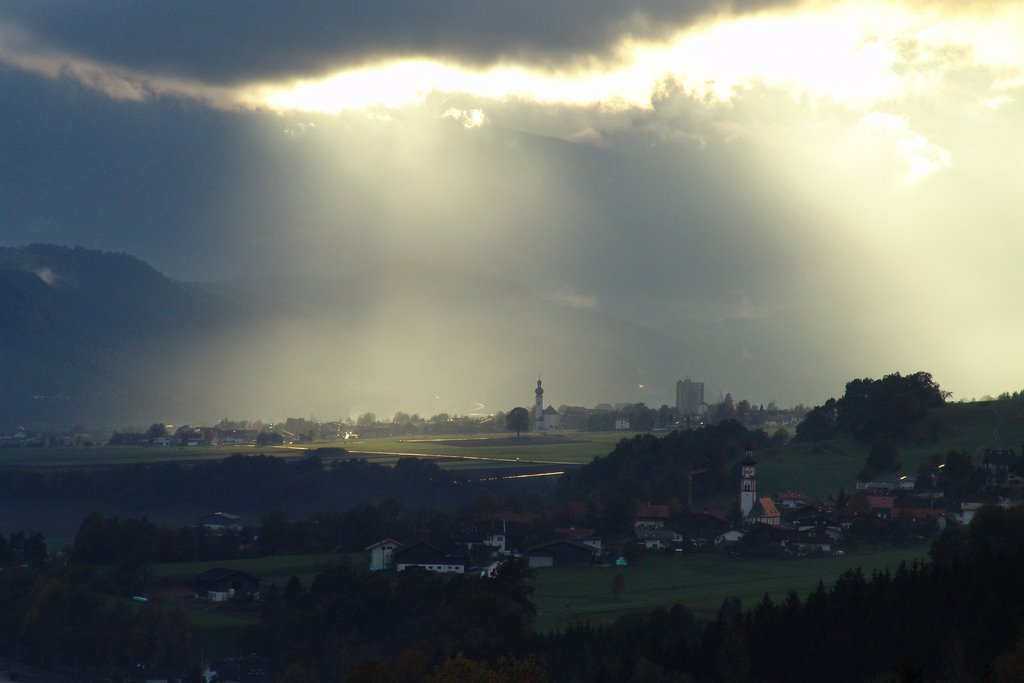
column 538, row 410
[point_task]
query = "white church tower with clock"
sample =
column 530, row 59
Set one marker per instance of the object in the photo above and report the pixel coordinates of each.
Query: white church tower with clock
column 748, row 484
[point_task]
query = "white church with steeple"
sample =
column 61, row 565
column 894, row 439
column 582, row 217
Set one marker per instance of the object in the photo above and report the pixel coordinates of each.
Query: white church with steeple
column 755, row 510
column 544, row 418
column 748, row 484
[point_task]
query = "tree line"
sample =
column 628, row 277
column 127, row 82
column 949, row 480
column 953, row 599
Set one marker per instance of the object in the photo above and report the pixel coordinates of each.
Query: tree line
column 247, row 482
column 873, row 410
column 647, row 468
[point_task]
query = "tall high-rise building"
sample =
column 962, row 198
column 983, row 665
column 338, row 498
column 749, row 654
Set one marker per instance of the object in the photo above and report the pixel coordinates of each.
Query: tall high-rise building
column 689, row 396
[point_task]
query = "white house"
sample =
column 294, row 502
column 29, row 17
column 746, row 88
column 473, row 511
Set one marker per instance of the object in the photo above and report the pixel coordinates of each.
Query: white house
column 967, row 512
column 496, row 540
column 729, row 537
column 658, row 539
column 382, row 553
column 551, row 418
column 422, row 554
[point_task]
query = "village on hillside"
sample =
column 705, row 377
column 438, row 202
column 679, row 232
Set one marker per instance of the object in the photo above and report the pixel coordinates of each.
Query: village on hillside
column 782, row 524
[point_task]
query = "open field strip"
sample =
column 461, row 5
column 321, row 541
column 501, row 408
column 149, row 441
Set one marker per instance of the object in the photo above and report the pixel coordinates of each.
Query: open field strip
column 572, row 448
column 105, row 456
column 700, row 581
column 517, row 461
column 577, row 449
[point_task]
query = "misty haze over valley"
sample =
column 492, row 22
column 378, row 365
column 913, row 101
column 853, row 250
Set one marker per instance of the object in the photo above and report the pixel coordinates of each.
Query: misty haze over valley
column 103, row 339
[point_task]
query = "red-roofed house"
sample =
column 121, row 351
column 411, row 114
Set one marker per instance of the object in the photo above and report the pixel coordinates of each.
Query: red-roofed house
column 765, row 512
column 865, row 504
column 915, row 507
column 650, row 516
column 790, row 499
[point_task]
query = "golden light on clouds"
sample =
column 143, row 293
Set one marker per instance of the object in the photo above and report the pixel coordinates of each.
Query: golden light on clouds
column 856, row 54
column 834, row 53
column 410, row 82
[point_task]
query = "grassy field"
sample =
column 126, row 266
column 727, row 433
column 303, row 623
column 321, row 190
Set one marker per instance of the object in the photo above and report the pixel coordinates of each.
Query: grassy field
column 458, row 451
column 574, row 448
column 820, row 469
column 971, row 427
column 815, row 470
column 700, row 581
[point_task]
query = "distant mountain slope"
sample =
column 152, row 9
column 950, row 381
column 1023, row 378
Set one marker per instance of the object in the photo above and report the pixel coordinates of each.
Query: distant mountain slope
column 105, row 340
column 77, row 325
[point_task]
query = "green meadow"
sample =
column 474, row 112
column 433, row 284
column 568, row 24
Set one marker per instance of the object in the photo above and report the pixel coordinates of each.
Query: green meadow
column 700, row 581
column 820, row 469
column 565, row 595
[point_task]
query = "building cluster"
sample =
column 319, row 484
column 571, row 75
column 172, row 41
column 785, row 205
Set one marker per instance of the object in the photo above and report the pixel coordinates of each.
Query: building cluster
column 494, row 538
column 22, row 437
column 560, row 537
column 690, row 412
column 784, row 523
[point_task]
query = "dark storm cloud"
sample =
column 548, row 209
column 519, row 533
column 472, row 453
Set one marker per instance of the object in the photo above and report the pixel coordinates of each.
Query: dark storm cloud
column 80, row 168
column 238, row 40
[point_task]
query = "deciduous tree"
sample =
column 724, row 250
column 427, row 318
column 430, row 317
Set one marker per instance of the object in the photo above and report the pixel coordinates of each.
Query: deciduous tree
column 517, row 420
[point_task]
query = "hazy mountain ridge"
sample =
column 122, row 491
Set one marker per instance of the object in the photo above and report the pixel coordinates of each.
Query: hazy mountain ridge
column 77, row 325
column 104, row 339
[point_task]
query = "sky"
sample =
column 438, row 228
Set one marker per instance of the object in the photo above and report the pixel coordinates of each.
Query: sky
column 837, row 182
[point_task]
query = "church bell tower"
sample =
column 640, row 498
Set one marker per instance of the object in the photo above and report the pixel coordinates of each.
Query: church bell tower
column 538, row 409
column 748, row 484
